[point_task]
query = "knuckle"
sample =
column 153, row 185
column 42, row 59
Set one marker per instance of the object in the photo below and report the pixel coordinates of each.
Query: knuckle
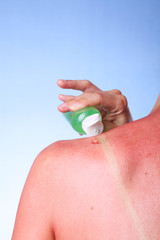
column 116, row 91
column 124, row 100
column 99, row 96
column 87, row 83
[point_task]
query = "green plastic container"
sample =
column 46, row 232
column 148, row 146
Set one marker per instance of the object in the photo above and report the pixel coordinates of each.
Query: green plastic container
column 86, row 121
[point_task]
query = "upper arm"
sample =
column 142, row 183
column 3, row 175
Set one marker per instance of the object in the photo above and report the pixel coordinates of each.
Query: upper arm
column 34, row 218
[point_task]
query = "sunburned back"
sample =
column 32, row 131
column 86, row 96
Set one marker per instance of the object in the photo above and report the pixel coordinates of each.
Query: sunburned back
column 109, row 187
column 103, row 188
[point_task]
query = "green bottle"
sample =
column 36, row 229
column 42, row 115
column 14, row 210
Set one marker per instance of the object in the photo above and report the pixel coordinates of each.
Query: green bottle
column 87, row 120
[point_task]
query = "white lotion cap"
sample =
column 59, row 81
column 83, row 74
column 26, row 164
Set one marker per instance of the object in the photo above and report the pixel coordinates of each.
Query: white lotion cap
column 92, row 125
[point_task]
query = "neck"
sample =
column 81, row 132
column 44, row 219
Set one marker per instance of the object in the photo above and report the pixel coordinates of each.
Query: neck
column 156, row 106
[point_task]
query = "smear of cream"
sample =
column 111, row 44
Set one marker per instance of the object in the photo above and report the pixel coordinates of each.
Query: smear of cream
column 97, row 140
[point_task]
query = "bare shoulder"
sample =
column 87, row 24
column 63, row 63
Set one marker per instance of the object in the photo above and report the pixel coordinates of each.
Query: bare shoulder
column 134, row 147
column 49, row 182
column 70, row 178
column 35, row 216
column 66, row 152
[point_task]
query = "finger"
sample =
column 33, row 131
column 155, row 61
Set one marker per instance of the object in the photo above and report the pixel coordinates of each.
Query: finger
column 65, row 98
column 82, row 85
column 84, row 100
column 111, row 103
column 63, row 108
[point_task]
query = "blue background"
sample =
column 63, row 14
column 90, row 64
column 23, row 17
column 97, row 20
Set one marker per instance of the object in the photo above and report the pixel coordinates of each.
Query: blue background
column 114, row 44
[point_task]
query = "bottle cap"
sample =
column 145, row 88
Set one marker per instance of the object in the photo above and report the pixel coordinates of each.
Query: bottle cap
column 92, row 125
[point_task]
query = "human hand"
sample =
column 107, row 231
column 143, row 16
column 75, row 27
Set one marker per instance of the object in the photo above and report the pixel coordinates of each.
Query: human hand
column 112, row 104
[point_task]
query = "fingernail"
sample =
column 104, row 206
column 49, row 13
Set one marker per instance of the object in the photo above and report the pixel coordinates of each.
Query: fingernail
column 60, row 96
column 60, row 81
column 64, row 107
